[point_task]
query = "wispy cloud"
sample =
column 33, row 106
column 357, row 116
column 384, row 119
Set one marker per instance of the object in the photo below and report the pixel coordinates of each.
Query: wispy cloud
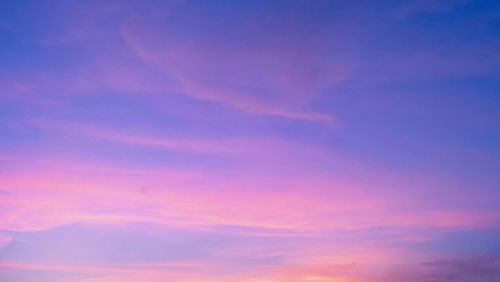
column 284, row 71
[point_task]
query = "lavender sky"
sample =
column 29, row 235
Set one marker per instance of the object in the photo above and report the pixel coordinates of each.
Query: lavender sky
column 249, row 140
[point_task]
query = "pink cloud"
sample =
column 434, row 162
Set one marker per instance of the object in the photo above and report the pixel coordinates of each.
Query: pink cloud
column 41, row 197
column 200, row 76
column 249, row 147
column 183, row 273
column 179, row 271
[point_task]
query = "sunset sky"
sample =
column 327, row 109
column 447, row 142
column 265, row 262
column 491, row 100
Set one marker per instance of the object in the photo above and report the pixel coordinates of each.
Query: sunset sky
column 242, row 141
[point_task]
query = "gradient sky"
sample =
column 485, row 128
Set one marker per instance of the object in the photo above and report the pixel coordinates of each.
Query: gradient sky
column 249, row 140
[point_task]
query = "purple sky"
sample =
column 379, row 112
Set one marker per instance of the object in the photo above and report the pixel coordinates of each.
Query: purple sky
column 249, row 140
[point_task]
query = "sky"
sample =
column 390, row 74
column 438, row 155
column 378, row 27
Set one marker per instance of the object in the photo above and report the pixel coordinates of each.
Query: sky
column 240, row 141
